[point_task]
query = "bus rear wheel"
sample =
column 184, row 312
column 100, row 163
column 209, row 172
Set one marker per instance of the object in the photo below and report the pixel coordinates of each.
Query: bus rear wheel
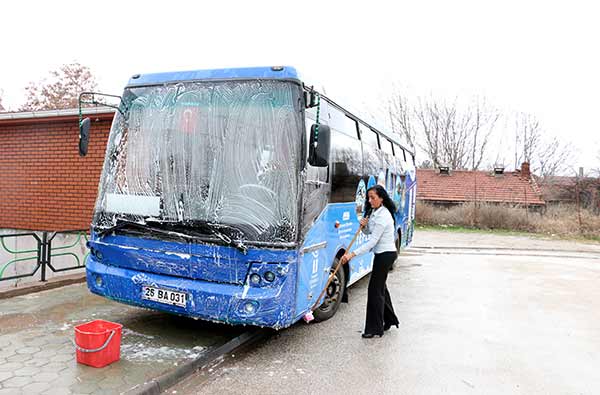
column 333, row 295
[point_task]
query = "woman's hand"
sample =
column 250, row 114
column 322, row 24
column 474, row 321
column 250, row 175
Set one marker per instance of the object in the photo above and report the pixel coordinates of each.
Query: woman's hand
column 346, row 257
column 364, row 222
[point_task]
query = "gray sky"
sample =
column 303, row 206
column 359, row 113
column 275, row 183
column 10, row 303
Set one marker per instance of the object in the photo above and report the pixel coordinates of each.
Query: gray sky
column 529, row 56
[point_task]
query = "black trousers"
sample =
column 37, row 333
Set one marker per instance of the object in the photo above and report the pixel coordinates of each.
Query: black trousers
column 380, row 311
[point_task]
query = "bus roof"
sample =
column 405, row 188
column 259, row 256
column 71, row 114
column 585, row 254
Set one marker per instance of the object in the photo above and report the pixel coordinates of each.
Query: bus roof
column 274, row 72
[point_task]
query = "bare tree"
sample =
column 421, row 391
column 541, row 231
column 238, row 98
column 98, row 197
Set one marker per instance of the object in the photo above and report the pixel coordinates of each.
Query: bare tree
column 426, row 164
column 61, row 90
column 484, row 122
column 547, row 156
column 402, row 118
column 449, row 134
column 2, row 109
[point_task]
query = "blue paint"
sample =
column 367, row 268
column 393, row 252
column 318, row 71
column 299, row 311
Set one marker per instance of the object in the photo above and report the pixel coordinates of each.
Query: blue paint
column 287, row 73
column 217, row 295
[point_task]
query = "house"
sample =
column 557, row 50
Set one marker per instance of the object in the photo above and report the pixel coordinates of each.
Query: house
column 581, row 190
column 449, row 187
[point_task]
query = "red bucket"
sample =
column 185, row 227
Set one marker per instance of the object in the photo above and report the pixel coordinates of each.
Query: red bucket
column 98, row 343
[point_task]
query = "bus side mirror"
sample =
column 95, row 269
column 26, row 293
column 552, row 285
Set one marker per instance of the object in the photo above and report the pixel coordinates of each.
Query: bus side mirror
column 84, row 136
column 318, row 154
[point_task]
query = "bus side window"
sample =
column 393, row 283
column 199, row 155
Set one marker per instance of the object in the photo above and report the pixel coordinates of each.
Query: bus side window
column 369, row 137
column 386, row 146
column 347, row 162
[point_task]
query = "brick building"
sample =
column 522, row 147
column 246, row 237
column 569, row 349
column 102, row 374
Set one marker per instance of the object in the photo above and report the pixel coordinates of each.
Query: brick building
column 45, row 184
column 448, row 187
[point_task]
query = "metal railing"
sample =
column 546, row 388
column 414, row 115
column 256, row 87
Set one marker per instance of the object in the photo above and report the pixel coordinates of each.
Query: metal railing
column 42, row 255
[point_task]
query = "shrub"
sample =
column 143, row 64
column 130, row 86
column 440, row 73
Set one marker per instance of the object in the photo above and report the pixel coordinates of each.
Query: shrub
column 556, row 220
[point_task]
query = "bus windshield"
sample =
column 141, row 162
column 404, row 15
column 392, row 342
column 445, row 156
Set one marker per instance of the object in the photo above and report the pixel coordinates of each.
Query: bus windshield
column 206, row 153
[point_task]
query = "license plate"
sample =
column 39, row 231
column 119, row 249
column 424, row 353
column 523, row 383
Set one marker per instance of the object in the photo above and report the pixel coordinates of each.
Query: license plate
column 164, row 296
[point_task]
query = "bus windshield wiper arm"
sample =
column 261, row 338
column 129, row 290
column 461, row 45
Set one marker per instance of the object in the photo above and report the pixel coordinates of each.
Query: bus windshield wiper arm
column 208, row 229
column 125, row 223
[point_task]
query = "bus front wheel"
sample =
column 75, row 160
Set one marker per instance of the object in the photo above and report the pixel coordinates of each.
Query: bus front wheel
column 333, row 295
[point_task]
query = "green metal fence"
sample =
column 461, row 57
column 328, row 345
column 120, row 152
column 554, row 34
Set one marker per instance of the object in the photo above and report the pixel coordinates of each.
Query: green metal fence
column 46, row 250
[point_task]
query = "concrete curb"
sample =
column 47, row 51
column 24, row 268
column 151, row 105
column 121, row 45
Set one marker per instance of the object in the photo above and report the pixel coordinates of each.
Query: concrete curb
column 577, row 250
column 52, row 283
column 168, row 379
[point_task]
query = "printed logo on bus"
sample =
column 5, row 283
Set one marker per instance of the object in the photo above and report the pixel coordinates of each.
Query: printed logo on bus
column 400, row 193
column 381, row 178
column 371, row 182
column 360, row 199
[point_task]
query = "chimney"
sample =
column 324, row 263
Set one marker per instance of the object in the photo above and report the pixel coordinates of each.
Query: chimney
column 525, row 173
column 581, row 172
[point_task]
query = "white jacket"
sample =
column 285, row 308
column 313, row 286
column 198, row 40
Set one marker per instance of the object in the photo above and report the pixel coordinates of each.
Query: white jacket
column 381, row 229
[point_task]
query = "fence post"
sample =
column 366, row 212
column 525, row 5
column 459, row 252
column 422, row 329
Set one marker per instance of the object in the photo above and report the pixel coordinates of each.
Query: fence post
column 43, row 255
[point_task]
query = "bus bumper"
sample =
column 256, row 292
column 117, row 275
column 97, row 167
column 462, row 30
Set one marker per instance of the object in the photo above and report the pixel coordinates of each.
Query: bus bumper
column 271, row 305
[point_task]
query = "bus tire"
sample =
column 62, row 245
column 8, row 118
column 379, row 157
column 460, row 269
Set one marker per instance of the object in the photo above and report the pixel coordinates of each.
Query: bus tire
column 333, row 296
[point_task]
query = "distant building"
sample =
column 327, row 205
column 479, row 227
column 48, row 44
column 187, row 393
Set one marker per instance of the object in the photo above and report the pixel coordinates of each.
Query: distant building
column 581, row 190
column 449, row 187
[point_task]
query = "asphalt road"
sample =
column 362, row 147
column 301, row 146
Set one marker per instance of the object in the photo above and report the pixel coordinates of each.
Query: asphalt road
column 472, row 322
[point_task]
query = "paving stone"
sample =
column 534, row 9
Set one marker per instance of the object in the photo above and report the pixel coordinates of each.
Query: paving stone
column 111, row 383
column 5, row 376
column 57, row 391
column 55, row 367
column 57, row 340
column 18, row 381
column 84, row 388
column 64, row 380
column 27, row 371
column 11, row 391
column 35, row 388
column 4, row 341
column 6, row 352
column 45, row 353
column 38, row 363
column 19, row 358
column 37, row 342
column 45, row 377
column 10, row 366
column 62, row 358
column 28, row 350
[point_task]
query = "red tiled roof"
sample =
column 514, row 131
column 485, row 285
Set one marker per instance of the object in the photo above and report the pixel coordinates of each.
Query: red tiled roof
column 482, row 186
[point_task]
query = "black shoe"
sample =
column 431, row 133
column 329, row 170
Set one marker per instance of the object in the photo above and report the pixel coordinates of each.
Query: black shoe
column 370, row 335
column 387, row 327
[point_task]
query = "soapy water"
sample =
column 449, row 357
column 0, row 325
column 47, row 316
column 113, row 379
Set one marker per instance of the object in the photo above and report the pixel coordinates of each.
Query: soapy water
column 219, row 152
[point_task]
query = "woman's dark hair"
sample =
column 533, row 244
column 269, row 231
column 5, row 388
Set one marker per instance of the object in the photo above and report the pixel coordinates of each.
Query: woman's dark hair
column 387, row 201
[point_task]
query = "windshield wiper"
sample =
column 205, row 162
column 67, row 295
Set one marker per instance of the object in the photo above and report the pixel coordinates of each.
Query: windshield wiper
column 214, row 230
column 125, row 223
column 176, row 228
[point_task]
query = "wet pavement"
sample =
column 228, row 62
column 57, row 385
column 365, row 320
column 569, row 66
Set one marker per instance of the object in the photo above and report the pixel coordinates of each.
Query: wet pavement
column 37, row 355
column 470, row 324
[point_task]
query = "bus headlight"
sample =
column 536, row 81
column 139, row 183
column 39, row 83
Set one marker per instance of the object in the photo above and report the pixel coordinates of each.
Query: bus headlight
column 250, row 307
column 270, row 276
column 254, row 279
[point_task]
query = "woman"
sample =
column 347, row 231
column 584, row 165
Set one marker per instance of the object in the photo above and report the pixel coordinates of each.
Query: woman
column 380, row 225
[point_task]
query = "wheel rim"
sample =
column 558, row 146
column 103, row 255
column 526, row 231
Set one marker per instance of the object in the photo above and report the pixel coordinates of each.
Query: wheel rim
column 333, row 293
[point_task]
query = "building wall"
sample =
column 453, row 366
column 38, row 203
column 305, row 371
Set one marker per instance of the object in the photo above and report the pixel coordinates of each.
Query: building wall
column 44, row 184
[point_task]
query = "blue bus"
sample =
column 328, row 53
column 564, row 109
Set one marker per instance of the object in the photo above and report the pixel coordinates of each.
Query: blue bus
column 228, row 195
